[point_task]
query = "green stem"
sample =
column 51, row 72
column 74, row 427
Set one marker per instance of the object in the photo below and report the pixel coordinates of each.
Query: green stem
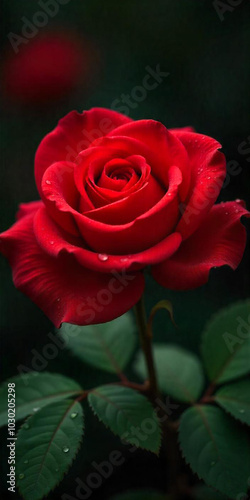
column 146, row 343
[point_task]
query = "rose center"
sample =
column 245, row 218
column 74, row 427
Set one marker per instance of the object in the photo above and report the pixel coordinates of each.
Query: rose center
column 118, row 174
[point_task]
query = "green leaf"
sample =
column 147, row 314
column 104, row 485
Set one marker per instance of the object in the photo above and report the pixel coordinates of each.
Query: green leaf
column 216, row 448
column 34, row 391
column 140, row 495
column 46, row 446
column 235, row 398
column 179, row 372
column 108, row 346
column 128, row 414
column 226, row 344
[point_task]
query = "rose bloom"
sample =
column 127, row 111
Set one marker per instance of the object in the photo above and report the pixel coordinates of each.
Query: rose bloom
column 46, row 68
column 119, row 195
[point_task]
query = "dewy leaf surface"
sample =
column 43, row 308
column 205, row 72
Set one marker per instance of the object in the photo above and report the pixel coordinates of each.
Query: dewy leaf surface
column 46, row 446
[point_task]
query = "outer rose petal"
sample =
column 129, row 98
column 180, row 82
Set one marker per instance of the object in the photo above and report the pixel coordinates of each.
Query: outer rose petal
column 61, row 287
column 73, row 134
column 54, row 241
column 28, row 208
column 219, row 241
column 208, row 170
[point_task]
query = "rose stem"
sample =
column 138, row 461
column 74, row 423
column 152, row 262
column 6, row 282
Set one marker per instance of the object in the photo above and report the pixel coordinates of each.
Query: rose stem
column 146, row 343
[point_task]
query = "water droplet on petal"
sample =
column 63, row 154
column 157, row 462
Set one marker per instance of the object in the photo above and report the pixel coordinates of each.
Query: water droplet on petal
column 241, row 410
column 52, row 242
column 236, row 211
column 124, row 259
column 65, row 449
column 25, row 461
column 73, row 415
column 21, row 476
column 238, row 200
column 208, row 178
column 48, row 182
column 226, row 213
column 103, row 257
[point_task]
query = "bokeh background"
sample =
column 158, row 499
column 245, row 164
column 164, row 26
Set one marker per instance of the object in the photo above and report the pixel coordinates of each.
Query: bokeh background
column 101, row 51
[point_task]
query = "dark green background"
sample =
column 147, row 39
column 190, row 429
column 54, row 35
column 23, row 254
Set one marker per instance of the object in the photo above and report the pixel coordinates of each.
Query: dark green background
column 208, row 87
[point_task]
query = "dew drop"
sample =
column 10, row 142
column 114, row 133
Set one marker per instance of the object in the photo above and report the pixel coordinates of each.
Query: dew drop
column 36, row 409
column 48, row 182
column 21, row 476
column 236, row 211
column 73, row 415
column 241, row 410
column 58, row 300
column 26, row 426
column 226, row 213
column 103, row 257
column 65, row 449
column 56, row 470
column 208, row 178
column 213, row 463
column 52, row 242
column 124, row 259
column 25, row 461
column 238, row 200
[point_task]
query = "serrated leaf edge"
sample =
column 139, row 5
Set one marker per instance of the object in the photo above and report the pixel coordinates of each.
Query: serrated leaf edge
column 73, row 458
column 116, row 434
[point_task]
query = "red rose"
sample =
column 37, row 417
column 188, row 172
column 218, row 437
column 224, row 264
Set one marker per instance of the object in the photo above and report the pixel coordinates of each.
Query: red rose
column 119, row 195
column 47, row 68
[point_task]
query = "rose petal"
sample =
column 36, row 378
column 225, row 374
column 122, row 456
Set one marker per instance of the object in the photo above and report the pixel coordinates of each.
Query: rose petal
column 54, row 241
column 61, row 287
column 28, row 208
column 208, row 170
column 60, row 195
column 74, row 133
column 219, row 241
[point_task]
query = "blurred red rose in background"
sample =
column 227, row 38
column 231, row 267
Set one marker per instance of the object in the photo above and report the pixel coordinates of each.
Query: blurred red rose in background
column 47, row 67
column 118, row 195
